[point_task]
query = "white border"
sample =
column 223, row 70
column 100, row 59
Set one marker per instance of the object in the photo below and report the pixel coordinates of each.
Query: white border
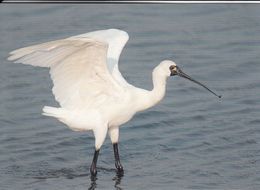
column 111, row 2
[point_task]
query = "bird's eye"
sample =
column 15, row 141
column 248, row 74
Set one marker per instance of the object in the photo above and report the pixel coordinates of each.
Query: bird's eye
column 172, row 67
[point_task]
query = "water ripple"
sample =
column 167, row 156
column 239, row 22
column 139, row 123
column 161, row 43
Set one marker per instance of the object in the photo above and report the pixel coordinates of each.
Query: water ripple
column 191, row 140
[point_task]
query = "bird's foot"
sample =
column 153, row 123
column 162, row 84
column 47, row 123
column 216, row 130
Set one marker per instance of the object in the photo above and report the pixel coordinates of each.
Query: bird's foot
column 93, row 170
column 119, row 168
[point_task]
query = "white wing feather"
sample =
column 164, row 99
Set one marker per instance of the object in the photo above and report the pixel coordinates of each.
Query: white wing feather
column 78, row 70
column 116, row 40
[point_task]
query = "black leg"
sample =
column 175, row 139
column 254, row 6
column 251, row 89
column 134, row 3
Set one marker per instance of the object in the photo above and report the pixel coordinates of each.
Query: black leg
column 118, row 165
column 93, row 169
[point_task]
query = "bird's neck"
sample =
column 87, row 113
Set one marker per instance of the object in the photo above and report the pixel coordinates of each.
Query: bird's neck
column 151, row 98
column 159, row 88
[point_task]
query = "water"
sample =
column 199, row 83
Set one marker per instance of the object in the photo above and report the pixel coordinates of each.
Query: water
column 191, row 140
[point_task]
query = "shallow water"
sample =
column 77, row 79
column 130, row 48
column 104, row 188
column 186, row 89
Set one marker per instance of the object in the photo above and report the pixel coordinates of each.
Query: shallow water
column 191, row 140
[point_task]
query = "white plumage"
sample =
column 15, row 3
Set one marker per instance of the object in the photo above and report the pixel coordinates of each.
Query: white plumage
column 88, row 85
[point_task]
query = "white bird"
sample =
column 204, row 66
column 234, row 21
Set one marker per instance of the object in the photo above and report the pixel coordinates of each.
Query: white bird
column 92, row 93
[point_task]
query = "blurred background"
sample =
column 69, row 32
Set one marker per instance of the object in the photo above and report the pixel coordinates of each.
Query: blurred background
column 191, row 140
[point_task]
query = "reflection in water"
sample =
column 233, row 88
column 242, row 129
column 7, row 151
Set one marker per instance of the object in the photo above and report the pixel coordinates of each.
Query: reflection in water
column 117, row 179
column 93, row 183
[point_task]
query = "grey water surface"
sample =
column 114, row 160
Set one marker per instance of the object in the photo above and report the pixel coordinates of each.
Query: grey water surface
column 191, row 140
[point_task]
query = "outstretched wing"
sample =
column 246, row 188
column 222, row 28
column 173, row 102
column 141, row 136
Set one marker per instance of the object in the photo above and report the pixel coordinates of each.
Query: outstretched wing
column 78, row 70
column 116, row 40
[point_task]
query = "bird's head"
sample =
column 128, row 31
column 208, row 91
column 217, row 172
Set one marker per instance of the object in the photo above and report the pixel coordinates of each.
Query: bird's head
column 170, row 68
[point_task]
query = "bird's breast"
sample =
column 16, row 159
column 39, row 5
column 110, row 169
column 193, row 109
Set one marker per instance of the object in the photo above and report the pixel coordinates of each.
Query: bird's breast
column 120, row 112
column 120, row 119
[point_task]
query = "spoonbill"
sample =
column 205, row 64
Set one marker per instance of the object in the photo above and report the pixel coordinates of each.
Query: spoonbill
column 92, row 93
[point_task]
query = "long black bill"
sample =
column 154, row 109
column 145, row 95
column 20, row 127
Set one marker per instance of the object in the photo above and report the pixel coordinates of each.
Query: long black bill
column 182, row 74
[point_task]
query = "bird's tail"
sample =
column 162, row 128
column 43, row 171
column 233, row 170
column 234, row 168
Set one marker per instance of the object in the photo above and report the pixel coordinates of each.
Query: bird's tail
column 54, row 112
column 64, row 116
